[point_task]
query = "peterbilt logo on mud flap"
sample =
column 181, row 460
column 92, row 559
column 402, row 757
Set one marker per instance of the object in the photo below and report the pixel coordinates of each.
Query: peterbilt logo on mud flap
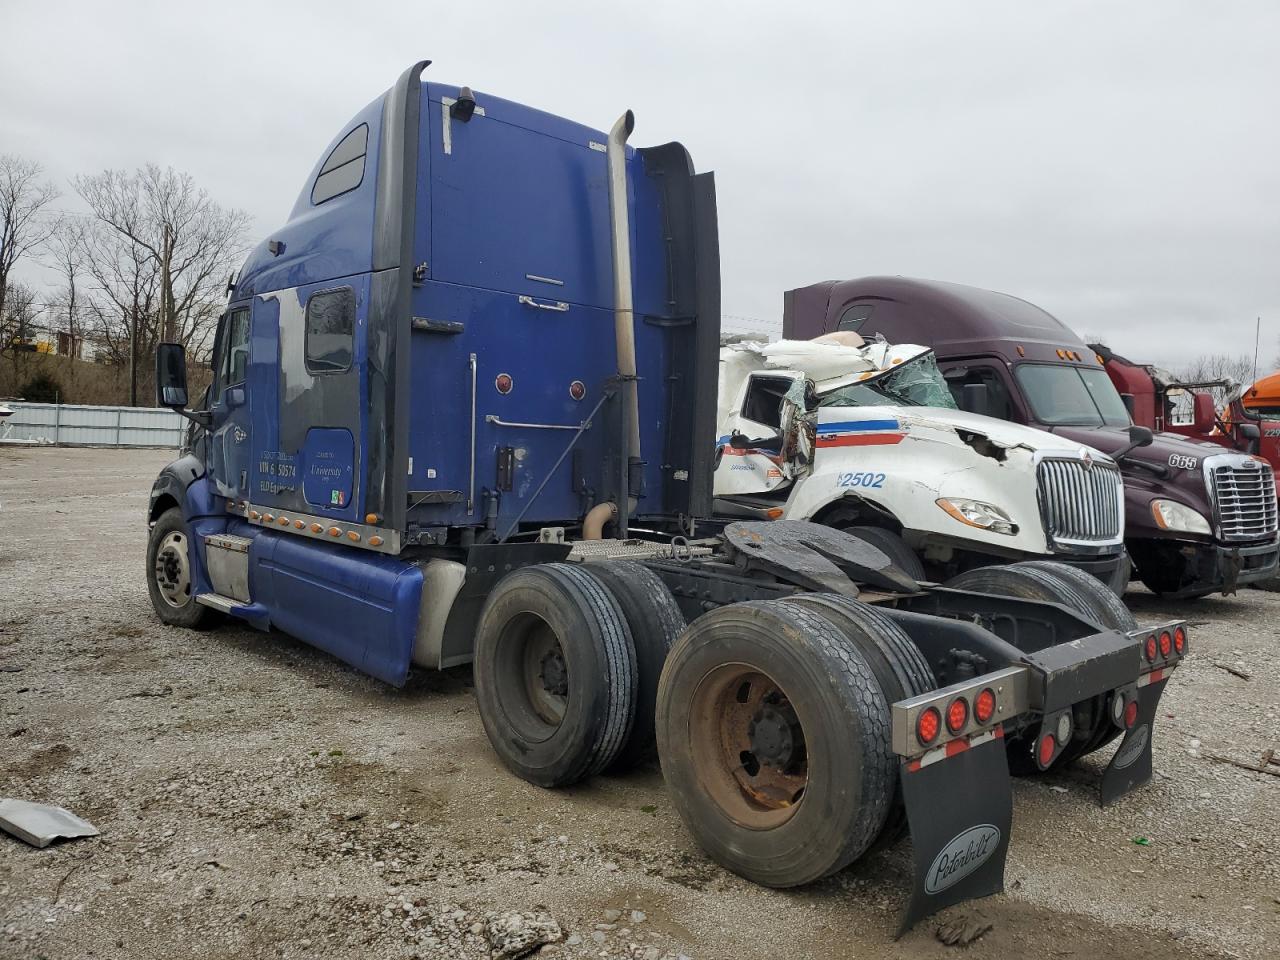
column 962, row 855
column 1132, row 749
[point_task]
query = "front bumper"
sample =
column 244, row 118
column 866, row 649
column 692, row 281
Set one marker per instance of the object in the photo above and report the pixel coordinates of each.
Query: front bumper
column 1195, row 568
column 956, row 787
column 1113, row 570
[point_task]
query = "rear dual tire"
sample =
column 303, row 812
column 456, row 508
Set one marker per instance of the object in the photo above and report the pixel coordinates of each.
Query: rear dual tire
column 566, row 668
column 1076, row 590
column 773, row 734
column 555, row 674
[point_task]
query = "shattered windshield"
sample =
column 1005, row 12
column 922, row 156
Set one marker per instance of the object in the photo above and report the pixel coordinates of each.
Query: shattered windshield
column 916, row 383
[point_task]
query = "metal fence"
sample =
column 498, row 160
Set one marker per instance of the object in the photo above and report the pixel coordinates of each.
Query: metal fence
column 76, row 425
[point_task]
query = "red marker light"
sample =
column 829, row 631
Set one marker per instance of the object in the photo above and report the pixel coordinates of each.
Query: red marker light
column 928, row 725
column 1130, row 714
column 1180, row 640
column 957, row 714
column 984, row 707
column 1151, row 649
column 577, row 390
column 1166, row 643
column 1048, row 746
column 503, row 383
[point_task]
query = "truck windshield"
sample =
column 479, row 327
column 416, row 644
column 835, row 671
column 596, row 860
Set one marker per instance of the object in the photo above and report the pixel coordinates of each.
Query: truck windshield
column 1071, row 396
column 916, row 383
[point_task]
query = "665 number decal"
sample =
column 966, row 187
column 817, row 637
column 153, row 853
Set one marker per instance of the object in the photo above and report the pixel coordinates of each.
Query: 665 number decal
column 860, row 480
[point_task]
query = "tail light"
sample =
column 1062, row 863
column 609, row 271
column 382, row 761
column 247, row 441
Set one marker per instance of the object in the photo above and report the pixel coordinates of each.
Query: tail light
column 984, row 707
column 970, row 711
column 1168, row 641
column 928, row 725
column 1130, row 714
column 1045, row 749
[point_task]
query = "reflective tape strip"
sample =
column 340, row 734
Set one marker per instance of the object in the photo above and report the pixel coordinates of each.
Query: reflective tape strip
column 861, row 440
column 1155, row 676
column 954, row 747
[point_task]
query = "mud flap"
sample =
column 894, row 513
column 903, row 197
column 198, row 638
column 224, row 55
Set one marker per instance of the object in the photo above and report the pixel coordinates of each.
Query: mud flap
column 1130, row 767
column 960, row 811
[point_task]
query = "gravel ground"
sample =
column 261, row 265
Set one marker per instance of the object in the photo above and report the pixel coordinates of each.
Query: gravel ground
column 258, row 798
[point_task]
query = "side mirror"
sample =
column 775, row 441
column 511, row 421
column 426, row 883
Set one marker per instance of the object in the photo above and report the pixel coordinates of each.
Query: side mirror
column 171, row 375
column 1203, row 415
column 1138, row 437
column 1249, row 431
column 975, row 398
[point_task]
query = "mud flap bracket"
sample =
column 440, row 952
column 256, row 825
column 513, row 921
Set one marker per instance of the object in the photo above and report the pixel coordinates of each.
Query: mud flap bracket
column 959, row 804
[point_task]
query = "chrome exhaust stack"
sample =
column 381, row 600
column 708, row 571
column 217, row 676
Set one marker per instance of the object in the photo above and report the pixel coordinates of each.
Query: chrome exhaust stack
column 623, row 311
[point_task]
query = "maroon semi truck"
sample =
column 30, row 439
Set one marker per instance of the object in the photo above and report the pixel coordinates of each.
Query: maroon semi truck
column 1197, row 518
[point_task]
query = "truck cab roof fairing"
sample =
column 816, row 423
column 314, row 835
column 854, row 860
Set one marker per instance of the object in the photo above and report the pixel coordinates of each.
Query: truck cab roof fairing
column 969, row 312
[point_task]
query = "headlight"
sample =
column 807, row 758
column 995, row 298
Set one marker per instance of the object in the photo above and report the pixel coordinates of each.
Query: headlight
column 975, row 513
column 1172, row 515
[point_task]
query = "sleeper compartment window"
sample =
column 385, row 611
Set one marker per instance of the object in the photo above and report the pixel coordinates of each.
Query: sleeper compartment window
column 344, row 170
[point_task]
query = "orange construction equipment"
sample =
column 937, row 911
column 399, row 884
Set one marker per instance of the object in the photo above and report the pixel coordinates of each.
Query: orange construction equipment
column 1264, row 396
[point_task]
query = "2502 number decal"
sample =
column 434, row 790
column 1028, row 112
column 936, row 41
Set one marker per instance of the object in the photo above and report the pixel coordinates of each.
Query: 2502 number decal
column 860, row 480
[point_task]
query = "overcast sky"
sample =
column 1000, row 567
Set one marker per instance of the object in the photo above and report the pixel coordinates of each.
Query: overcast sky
column 1116, row 163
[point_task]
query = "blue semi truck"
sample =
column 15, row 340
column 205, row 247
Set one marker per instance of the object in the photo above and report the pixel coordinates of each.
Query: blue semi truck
column 463, row 410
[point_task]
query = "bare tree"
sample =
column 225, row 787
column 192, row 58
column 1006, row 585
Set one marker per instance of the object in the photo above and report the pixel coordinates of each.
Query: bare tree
column 64, row 254
column 121, row 307
column 23, row 224
column 1218, row 366
column 159, row 252
column 18, row 325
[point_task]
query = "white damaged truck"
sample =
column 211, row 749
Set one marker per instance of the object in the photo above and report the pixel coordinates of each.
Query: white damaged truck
column 867, row 437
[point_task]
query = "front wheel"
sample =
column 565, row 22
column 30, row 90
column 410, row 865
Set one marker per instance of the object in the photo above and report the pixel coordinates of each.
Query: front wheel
column 169, row 574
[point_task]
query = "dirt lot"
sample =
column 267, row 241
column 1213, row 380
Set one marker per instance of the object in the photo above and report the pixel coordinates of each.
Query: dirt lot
column 258, row 798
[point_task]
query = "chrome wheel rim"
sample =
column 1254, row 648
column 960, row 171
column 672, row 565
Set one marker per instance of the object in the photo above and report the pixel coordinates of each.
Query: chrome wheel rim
column 173, row 569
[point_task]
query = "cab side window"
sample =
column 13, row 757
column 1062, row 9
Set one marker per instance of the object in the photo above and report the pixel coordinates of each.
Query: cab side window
column 331, row 320
column 233, row 350
column 999, row 404
column 763, row 403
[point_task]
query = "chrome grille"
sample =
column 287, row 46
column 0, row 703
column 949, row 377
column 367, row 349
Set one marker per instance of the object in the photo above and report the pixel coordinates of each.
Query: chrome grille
column 1244, row 497
column 1082, row 503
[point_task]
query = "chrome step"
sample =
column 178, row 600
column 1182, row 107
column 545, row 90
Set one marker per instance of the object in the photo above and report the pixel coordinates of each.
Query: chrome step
column 218, row 602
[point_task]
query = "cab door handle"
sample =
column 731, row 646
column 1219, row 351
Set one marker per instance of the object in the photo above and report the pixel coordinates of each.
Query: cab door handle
column 557, row 306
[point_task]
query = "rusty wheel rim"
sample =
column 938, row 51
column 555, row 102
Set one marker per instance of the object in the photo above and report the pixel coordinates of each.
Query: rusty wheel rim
column 748, row 746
